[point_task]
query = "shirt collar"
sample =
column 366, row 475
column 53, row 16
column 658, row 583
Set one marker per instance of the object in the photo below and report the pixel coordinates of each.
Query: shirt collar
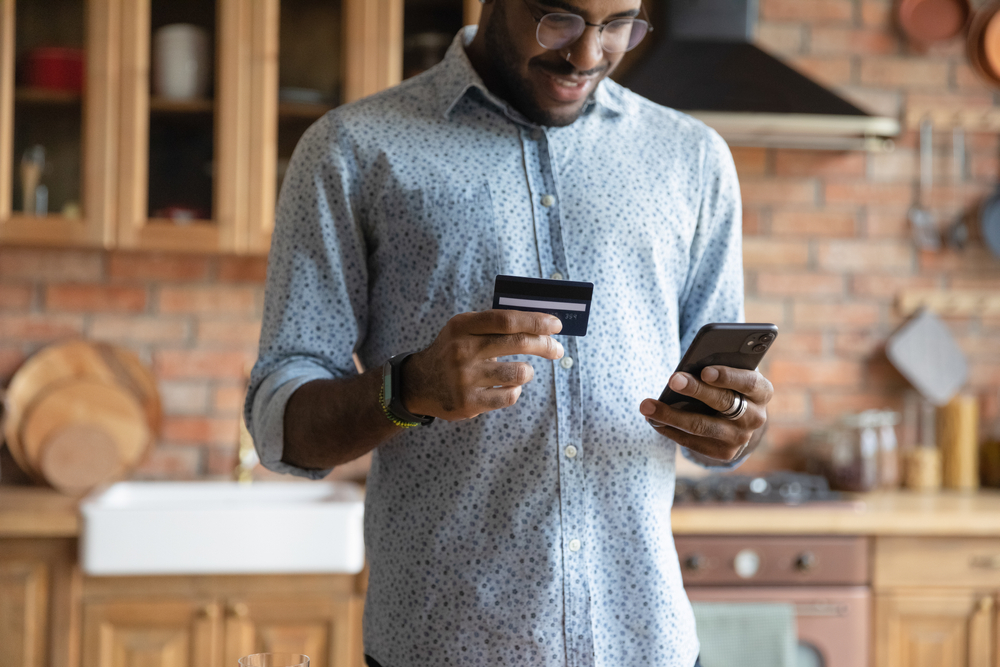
column 457, row 78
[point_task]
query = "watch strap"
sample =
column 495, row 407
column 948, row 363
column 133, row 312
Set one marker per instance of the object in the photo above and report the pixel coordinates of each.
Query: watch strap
column 391, row 395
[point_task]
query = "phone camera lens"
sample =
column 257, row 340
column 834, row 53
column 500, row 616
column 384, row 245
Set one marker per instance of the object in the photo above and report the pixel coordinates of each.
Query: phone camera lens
column 760, row 348
column 766, row 338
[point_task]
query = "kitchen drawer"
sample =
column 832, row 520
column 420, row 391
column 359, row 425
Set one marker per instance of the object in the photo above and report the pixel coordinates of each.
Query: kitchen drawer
column 927, row 561
column 725, row 560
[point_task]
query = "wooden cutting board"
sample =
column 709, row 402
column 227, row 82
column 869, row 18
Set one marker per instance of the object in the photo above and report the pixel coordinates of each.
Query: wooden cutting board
column 79, row 412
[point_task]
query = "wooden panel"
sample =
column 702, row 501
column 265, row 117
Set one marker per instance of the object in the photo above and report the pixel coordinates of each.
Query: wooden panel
column 98, row 140
column 232, row 127
column 947, row 629
column 470, row 12
column 324, row 628
column 39, row 602
column 165, row 633
column 6, row 108
column 23, row 613
column 373, row 39
column 915, row 561
column 255, row 236
column 232, row 120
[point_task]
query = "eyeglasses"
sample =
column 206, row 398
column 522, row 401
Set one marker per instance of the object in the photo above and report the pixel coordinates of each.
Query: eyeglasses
column 559, row 30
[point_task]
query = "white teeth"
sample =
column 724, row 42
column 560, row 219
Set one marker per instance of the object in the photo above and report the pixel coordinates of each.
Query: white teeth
column 568, row 84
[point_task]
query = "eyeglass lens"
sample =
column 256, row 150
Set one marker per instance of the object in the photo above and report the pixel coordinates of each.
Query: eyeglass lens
column 556, row 31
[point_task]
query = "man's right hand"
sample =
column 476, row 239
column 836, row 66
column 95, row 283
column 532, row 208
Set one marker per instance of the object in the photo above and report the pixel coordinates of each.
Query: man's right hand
column 459, row 377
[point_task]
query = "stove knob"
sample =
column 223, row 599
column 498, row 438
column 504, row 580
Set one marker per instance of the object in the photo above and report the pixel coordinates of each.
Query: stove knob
column 746, row 563
column 695, row 562
column 806, row 561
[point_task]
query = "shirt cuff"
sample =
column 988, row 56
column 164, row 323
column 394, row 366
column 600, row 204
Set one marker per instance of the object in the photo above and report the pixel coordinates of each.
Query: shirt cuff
column 268, row 418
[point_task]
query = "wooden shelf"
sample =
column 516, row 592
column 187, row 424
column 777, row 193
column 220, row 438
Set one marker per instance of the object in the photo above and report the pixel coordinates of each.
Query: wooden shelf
column 307, row 110
column 46, row 96
column 163, row 105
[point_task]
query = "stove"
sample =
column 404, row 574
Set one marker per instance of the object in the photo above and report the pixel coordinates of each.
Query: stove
column 824, row 577
column 787, row 488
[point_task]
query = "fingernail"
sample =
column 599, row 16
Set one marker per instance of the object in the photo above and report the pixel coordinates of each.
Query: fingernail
column 647, row 408
column 561, row 350
column 710, row 374
column 556, row 323
column 678, row 382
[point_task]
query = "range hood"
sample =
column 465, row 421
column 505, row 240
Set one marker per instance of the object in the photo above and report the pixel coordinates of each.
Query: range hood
column 707, row 67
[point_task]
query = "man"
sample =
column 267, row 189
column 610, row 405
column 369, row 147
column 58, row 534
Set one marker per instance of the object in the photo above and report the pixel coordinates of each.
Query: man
column 530, row 522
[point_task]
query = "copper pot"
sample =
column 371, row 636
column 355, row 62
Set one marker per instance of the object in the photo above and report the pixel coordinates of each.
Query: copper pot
column 983, row 43
column 929, row 21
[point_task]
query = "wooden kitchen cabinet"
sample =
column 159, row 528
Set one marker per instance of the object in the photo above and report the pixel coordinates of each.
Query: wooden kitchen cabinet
column 193, row 176
column 946, row 628
column 168, row 633
column 212, row 621
column 936, row 602
column 38, row 590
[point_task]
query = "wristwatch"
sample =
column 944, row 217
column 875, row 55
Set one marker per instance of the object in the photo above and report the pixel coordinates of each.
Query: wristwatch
column 391, row 397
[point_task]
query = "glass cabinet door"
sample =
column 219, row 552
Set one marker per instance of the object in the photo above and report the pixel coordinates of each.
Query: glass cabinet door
column 56, row 111
column 308, row 57
column 185, row 101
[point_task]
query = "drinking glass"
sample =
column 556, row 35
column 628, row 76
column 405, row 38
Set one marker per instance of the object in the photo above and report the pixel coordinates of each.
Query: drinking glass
column 275, row 660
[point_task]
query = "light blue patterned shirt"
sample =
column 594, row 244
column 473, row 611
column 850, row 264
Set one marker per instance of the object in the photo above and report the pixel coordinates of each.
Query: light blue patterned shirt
column 537, row 534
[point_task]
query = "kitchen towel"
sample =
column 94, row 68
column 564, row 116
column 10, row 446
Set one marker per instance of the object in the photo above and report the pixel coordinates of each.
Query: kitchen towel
column 740, row 634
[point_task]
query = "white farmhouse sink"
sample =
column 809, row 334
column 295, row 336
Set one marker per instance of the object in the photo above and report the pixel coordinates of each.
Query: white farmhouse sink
column 223, row 528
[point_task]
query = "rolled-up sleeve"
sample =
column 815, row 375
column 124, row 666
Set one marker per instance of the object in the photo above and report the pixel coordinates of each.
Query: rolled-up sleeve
column 714, row 288
column 315, row 305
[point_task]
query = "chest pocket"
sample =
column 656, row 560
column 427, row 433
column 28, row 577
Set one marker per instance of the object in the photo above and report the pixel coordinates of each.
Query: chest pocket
column 443, row 243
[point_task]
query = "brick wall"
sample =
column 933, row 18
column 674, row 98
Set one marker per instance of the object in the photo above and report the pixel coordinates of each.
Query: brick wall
column 826, row 233
column 194, row 320
column 827, row 249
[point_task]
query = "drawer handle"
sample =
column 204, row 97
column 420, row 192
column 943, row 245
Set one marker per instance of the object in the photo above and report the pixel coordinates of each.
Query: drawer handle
column 985, row 562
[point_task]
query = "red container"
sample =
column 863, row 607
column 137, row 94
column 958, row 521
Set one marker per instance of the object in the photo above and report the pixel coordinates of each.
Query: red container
column 55, row 68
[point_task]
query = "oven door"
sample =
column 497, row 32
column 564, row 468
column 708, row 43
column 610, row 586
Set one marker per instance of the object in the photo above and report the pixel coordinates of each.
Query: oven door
column 832, row 621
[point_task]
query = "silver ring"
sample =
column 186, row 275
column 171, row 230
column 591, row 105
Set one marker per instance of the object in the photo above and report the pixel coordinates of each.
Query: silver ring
column 738, row 408
column 733, row 407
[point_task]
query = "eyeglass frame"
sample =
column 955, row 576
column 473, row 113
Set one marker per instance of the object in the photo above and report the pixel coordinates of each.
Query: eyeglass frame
column 601, row 26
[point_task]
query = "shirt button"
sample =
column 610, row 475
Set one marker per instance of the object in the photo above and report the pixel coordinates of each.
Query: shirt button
column 536, row 134
column 556, row 276
column 571, row 452
column 574, row 545
column 566, row 362
column 548, row 200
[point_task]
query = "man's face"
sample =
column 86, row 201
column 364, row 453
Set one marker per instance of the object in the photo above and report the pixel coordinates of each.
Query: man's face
column 550, row 87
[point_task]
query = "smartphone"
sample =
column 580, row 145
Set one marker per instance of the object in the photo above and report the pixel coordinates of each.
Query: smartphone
column 734, row 345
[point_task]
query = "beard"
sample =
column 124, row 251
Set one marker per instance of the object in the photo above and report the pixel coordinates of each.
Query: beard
column 516, row 89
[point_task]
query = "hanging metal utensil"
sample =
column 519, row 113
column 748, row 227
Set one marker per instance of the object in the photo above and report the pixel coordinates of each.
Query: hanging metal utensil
column 958, row 232
column 923, row 225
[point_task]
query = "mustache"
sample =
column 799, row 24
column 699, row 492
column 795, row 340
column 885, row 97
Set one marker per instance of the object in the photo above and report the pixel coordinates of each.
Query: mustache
column 564, row 68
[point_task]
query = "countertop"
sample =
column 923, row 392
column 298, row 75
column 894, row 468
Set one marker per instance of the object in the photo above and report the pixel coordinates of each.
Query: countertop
column 36, row 512
column 946, row 513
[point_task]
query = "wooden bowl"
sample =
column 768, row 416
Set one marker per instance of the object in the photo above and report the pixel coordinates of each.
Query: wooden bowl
column 929, row 21
column 81, row 413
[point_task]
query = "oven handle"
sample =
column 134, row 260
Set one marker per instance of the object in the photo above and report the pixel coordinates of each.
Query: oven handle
column 821, row 609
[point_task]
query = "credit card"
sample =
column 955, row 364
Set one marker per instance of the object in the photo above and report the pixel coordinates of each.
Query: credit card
column 567, row 300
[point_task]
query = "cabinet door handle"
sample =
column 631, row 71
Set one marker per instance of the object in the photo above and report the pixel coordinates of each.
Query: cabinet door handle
column 238, row 610
column 981, row 633
column 985, row 562
column 210, row 611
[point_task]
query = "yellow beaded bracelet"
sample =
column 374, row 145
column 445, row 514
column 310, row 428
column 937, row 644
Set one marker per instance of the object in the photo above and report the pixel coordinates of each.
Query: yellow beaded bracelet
column 391, row 417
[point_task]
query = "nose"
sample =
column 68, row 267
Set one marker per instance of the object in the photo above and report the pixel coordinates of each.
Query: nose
column 586, row 53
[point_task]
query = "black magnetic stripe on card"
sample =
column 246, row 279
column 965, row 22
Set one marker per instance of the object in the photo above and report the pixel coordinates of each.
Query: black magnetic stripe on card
column 561, row 289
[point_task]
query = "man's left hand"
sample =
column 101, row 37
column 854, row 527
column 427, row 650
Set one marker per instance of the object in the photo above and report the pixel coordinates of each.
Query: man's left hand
column 718, row 438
